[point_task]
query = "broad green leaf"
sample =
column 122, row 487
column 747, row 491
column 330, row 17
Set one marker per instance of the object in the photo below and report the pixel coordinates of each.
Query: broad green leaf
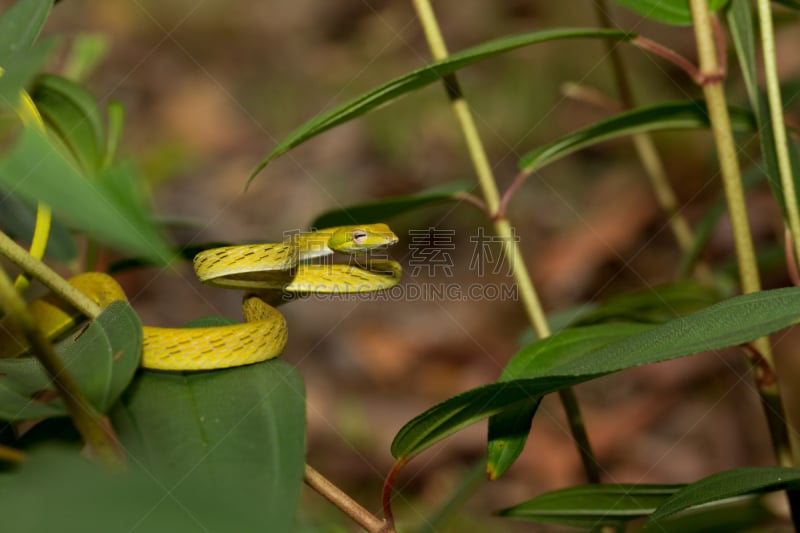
column 102, row 358
column 508, row 430
column 425, row 76
column 109, row 210
column 241, row 428
column 18, row 220
column 593, row 505
column 20, row 25
column 70, row 112
column 675, row 12
column 728, row 323
column 56, row 489
column 740, row 21
column 724, row 485
column 21, row 68
column 383, row 209
column 670, row 116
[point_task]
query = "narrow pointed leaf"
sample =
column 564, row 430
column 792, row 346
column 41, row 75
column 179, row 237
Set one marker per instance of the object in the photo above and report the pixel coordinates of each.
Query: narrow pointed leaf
column 724, row 485
column 425, row 76
column 242, row 428
column 382, row 210
column 20, row 25
column 593, row 505
column 110, row 210
column 70, row 113
column 670, row 116
column 102, row 358
column 729, row 323
column 674, row 12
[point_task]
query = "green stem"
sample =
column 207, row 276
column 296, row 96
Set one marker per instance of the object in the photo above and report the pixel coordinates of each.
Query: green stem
column 50, row 279
column 776, row 117
column 734, row 193
column 643, row 142
column 93, row 428
column 502, row 227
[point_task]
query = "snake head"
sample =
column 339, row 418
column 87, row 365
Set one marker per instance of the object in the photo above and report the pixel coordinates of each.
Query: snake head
column 360, row 238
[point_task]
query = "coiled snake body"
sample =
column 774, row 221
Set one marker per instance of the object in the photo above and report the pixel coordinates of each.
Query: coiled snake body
column 271, row 273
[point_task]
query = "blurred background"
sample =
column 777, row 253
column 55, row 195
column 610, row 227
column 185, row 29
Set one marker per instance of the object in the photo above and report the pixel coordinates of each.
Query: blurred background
column 211, row 87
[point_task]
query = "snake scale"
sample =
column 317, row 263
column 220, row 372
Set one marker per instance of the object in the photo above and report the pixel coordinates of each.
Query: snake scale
column 270, row 273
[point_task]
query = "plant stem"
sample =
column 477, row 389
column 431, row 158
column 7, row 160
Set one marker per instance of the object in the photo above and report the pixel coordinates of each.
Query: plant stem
column 726, row 150
column 734, row 193
column 502, row 227
column 50, row 279
column 349, row 506
column 643, row 142
column 94, row 429
column 776, row 117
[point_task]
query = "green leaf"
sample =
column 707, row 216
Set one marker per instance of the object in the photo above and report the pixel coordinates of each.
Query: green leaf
column 728, row 323
column 242, row 428
column 102, row 358
column 56, row 489
column 593, row 505
column 109, row 210
column 425, row 76
column 674, row 12
column 384, row 209
column 21, row 68
column 70, row 112
column 669, row 116
column 724, row 485
column 508, row 430
column 20, row 25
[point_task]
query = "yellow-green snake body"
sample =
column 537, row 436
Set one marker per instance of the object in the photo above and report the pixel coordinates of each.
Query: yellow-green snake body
column 269, row 272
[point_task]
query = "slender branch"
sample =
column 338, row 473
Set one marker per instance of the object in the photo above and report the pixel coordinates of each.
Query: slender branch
column 349, row 506
column 591, row 96
column 50, row 279
column 737, row 210
column 473, row 200
column 673, row 57
column 502, row 226
column 646, row 148
column 94, row 429
column 776, row 118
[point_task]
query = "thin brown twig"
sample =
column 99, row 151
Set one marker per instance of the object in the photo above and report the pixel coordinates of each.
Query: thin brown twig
column 345, row 503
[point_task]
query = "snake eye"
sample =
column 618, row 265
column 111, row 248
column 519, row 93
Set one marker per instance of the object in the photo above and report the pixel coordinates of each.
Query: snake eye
column 359, row 236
